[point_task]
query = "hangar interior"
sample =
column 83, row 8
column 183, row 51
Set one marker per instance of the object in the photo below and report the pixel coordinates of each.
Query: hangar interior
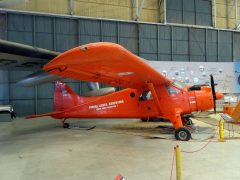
column 151, row 41
column 167, row 31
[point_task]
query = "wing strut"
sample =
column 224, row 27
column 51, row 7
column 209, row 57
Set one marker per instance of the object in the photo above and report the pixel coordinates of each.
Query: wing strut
column 155, row 97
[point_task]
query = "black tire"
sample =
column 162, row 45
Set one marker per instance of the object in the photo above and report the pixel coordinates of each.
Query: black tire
column 182, row 134
column 65, row 125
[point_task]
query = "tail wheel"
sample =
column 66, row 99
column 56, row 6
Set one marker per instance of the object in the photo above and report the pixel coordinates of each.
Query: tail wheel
column 182, row 134
column 65, row 125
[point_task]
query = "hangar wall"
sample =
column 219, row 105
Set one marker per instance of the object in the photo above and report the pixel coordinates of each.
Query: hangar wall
column 151, row 41
column 226, row 16
column 197, row 12
column 156, row 42
column 115, row 9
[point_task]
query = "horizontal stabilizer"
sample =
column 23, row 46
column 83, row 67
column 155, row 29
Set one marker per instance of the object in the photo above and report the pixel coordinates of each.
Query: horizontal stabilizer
column 100, row 92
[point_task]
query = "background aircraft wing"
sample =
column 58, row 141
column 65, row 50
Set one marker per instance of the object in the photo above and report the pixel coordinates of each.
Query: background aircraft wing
column 107, row 63
column 16, row 56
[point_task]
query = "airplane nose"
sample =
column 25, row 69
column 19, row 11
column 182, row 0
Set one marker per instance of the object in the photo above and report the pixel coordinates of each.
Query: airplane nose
column 219, row 95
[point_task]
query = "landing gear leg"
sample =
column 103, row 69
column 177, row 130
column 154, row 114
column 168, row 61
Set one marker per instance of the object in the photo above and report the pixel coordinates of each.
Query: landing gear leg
column 182, row 134
column 65, row 125
column 187, row 121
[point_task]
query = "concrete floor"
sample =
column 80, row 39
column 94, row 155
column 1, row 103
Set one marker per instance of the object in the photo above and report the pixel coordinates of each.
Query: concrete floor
column 41, row 149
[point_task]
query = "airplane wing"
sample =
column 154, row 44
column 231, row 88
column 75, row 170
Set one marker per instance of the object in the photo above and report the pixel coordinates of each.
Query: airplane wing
column 107, row 63
column 23, row 57
column 17, row 56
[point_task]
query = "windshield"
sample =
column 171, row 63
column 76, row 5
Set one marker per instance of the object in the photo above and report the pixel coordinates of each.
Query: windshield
column 178, row 84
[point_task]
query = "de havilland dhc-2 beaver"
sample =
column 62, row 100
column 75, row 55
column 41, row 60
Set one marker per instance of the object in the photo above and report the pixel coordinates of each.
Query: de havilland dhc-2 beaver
column 146, row 92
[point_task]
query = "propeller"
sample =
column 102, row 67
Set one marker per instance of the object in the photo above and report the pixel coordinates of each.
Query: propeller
column 213, row 92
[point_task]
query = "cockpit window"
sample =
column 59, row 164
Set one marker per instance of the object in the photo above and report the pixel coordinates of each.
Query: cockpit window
column 178, row 84
column 172, row 90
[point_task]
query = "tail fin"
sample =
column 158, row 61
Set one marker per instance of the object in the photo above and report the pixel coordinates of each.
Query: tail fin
column 64, row 97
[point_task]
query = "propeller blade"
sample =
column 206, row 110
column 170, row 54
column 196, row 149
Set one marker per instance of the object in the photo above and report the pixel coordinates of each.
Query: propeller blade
column 213, row 92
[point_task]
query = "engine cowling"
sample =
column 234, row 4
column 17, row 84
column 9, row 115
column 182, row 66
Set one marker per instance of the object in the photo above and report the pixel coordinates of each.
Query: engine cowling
column 202, row 100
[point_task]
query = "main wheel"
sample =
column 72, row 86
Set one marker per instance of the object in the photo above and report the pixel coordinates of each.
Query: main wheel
column 65, row 125
column 182, row 134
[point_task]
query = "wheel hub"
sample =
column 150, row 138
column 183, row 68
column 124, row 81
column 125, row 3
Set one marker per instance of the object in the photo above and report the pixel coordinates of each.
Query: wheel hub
column 183, row 135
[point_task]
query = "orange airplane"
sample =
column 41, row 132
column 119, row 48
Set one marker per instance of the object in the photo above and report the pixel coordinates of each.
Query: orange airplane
column 147, row 92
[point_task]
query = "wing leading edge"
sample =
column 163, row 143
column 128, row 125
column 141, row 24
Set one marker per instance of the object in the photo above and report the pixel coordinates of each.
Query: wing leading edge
column 107, row 63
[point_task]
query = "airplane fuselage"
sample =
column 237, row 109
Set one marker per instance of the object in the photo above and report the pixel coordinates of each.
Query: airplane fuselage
column 128, row 103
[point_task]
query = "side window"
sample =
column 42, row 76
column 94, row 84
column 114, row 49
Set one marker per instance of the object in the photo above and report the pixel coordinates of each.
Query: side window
column 149, row 95
column 172, row 90
column 146, row 95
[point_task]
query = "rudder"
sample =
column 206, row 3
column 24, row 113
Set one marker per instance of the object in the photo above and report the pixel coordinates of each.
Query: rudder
column 64, row 97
